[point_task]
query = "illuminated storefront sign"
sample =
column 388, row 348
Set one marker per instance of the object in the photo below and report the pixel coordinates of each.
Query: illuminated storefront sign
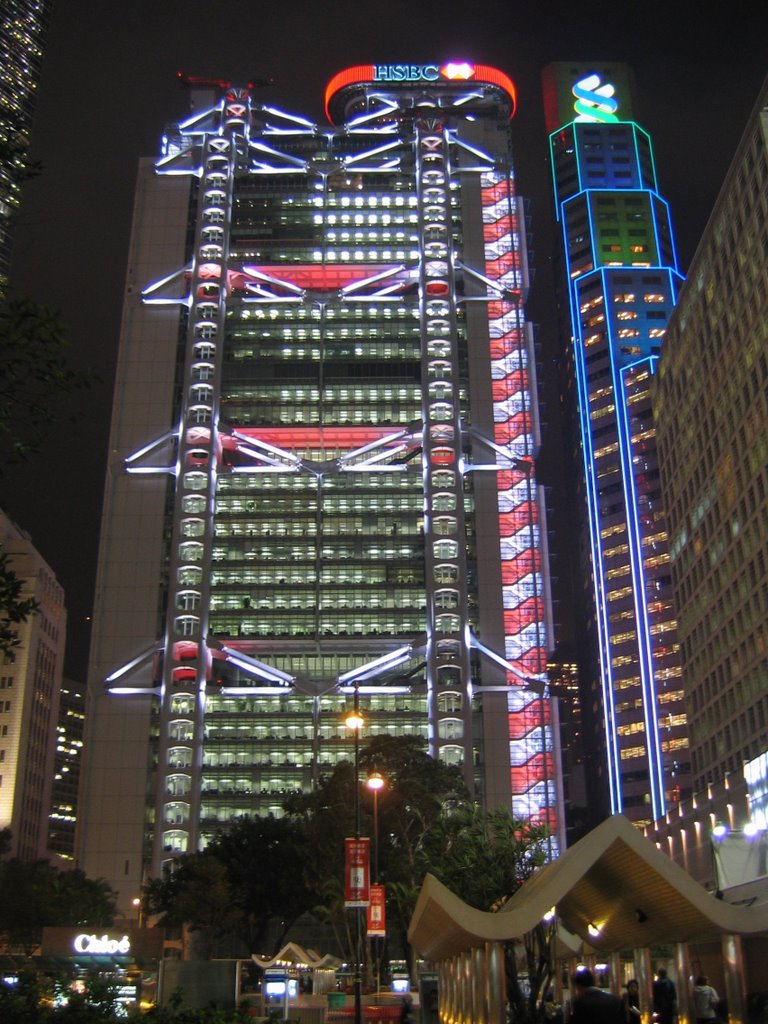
column 405, row 72
column 99, row 945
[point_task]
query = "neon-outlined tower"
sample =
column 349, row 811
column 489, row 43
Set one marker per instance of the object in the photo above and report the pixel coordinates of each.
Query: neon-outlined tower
column 623, row 281
column 343, row 492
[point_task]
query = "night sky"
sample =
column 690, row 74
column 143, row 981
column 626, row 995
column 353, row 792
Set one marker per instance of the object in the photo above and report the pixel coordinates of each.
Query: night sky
column 109, row 87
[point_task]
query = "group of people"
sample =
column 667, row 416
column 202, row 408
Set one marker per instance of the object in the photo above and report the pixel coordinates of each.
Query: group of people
column 594, row 1005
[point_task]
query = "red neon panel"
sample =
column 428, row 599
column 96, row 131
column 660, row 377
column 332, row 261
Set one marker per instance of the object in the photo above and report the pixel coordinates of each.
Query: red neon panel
column 525, row 776
column 316, row 277
column 523, row 722
column 359, row 73
column 290, row 438
column 526, row 562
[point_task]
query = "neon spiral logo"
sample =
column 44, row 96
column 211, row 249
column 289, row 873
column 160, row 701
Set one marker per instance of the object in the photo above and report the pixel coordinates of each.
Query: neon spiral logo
column 594, row 100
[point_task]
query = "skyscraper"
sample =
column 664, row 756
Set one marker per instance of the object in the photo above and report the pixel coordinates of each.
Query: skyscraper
column 622, row 283
column 22, row 30
column 29, row 699
column 323, row 476
column 710, row 398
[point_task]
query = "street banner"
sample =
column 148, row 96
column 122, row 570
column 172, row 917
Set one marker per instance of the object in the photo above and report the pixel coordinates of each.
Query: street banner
column 377, row 921
column 357, row 875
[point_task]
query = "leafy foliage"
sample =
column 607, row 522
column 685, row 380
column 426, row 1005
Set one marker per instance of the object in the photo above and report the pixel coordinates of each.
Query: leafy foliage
column 245, row 878
column 36, row 894
column 33, row 352
column 14, row 608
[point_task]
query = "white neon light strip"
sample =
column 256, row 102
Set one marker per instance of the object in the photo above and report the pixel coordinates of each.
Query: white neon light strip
column 169, row 435
column 258, row 443
column 138, row 660
column 373, row 278
column 296, row 161
column 371, row 152
column 251, row 665
column 384, row 662
column 288, row 117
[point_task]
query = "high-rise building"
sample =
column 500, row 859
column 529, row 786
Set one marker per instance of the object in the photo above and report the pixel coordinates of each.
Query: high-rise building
column 323, row 473
column 23, row 25
column 66, row 769
column 622, row 283
column 712, row 421
column 30, row 680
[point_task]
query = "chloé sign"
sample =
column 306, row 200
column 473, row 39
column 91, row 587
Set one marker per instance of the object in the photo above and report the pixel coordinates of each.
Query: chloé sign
column 95, row 944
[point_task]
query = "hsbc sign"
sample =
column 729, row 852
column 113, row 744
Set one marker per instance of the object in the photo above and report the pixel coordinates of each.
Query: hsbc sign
column 405, row 72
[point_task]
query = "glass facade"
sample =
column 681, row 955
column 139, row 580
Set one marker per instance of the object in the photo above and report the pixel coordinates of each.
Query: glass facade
column 351, row 497
column 23, row 25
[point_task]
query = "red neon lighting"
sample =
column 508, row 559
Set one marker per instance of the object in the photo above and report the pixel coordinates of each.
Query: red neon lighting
column 321, row 277
column 290, row 438
column 359, row 73
column 458, row 71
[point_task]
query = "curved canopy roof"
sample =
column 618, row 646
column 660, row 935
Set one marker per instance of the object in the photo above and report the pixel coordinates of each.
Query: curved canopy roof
column 293, row 955
column 614, row 889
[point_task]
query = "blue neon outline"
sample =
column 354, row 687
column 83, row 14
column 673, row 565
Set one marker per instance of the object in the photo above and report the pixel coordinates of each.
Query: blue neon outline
column 639, row 599
column 598, row 565
column 644, row 645
column 636, row 128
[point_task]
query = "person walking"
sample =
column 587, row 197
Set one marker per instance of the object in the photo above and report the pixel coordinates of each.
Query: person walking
column 705, row 1001
column 664, row 998
column 593, row 1005
column 631, row 1002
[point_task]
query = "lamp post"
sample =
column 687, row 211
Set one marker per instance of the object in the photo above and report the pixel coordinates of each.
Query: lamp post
column 375, row 782
column 355, row 722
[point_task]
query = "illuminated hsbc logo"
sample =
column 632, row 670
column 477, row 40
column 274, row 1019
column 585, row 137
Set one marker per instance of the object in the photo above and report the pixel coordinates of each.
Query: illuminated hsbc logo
column 406, row 72
column 94, row 945
column 595, row 100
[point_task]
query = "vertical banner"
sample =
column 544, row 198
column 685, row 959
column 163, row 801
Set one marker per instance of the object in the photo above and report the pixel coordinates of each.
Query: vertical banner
column 377, row 920
column 357, row 872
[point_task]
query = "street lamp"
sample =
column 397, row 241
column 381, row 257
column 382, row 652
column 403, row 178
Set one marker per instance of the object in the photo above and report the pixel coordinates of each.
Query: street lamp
column 355, row 722
column 375, row 782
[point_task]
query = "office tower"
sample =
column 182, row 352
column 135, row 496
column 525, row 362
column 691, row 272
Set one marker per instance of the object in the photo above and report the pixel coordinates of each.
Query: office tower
column 712, row 422
column 29, row 698
column 22, row 31
column 324, row 435
column 66, row 769
column 622, row 282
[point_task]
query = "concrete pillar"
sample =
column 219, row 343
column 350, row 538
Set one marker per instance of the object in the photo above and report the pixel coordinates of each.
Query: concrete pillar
column 735, row 979
column 644, row 977
column 465, row 989
column 442, row 991
column 496, row 983
column 683, row 972
column 478, row 968
column 614, row 976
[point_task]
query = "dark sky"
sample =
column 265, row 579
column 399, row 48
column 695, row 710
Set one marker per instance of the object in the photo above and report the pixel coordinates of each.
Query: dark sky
column 109, row 87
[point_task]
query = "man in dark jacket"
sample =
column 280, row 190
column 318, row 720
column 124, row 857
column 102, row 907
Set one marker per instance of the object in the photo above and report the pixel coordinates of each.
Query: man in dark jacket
column 593, row 1005
column 664, row 998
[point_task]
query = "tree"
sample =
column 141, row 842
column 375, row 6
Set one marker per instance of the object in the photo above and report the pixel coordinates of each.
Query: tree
column 248, row 878
column 33, row 352
column 33, row 355
column 197, row 894
column 417, row 792
column 14, row 609
column 36, row 894
column 484, row 857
